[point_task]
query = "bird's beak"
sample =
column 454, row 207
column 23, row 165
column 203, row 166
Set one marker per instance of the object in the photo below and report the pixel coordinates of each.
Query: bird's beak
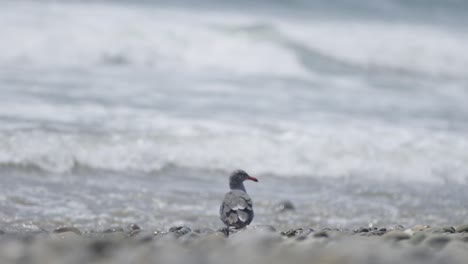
column 252, row 179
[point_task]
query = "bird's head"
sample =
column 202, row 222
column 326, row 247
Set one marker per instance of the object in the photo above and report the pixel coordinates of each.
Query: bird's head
column 238, row 177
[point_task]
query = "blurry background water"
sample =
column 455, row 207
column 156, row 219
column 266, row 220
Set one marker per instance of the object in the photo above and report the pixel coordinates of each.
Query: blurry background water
column 136, row 111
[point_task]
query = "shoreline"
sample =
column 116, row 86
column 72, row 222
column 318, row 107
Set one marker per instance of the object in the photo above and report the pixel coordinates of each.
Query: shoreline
column 256, row 244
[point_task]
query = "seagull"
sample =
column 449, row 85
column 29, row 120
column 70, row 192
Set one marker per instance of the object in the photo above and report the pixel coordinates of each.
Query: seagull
column 236, row 210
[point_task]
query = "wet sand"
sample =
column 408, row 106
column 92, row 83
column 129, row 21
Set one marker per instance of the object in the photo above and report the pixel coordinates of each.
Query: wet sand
column 256, row 244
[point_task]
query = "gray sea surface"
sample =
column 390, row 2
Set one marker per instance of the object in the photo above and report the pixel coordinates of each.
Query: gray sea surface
column 118, row 112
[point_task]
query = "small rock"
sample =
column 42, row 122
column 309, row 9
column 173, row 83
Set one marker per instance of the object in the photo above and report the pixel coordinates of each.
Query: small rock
column 449, row 229
column 462, row 228
column 133, row 227
column 134, row 232
column 361, row 230
column 417, row 238
column 113, row 230
column 296, row 232
column 398, row 227
column 418, row 228
column 284, row 206
column 438, row 230
column 289, row 233
column 438, row 241
column 67, row 229
column 322, row 233
column 379, row 232
column 396, row 235
column 179, row 231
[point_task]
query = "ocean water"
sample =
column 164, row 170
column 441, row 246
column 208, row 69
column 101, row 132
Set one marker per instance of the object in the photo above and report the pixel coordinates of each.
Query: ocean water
column 117, row 112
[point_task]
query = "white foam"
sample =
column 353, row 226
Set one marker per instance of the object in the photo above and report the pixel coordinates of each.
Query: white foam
column 320, row 150
column 74, row 35
column 372, row 44
column 96, row 35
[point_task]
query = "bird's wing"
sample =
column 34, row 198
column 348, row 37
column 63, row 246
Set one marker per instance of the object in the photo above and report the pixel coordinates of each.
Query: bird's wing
column 236, row 208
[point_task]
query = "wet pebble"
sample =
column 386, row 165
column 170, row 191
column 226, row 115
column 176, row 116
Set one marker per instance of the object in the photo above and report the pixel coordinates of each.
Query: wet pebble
column 322, row 233
column 396, row 235
column 436, row 230
column 449, row 229
column 371, row 231
column 417, row 228
column 462, row 228
column 134, row 227
column 438, row 241
column 64, row 229
column 113, row 230
column 296, row 232
column 417, row 238
column 398, row 227
column 361, row 230
column 379, row 232
column 179, row 231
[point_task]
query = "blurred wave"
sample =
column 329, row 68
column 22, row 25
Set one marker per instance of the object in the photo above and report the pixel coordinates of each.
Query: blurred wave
column 381, row 153
column 122, row 86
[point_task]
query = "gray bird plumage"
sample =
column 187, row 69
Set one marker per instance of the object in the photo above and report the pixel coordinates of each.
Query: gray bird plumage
column 236, row 211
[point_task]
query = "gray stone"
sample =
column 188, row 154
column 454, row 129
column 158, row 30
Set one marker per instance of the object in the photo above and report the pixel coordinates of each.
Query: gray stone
column 179, row 231
column 361, row 230
column 396, row 235
column 322, row 233
column 438, row 241
column 297, row 232
column 67, row 229
column 417, row 238
column 448, row 229
column 133, row 227
column 417, row 228
column 462, row 228
column 113, row 230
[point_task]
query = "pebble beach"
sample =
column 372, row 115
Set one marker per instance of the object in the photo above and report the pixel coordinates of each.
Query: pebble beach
column 256, row 244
